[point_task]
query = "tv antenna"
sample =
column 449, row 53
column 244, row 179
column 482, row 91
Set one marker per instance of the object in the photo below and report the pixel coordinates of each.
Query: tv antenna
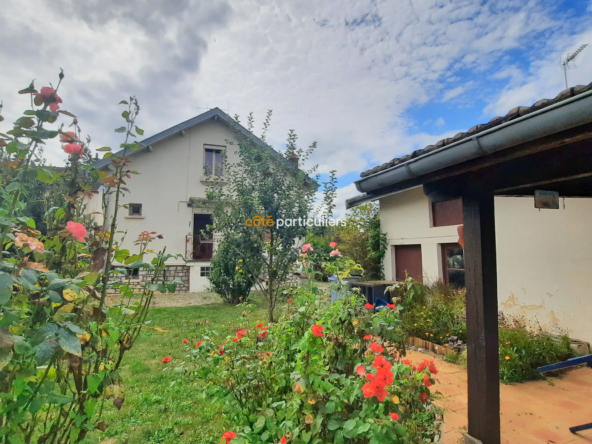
column 568, row 61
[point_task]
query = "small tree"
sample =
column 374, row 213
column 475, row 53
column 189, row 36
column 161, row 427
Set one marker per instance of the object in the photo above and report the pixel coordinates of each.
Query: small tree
column 264, row 187
column 363, row 240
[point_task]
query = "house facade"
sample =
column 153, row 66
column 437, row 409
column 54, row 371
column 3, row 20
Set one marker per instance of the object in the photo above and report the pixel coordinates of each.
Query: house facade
column 543, row 255
column 174, row 169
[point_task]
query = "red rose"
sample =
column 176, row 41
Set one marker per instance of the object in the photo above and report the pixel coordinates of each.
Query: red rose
column 198, row 344
column 241, row 333
column 317, row 330
column 72, row 148
column 283, row 440
column 393, row 306
column 166, row 359
column 360, row 370
column 426, row 381
column 423, row 397
column 49, row 96
column 185, row 341
column 367, row 336
column 235, row 340
column 260, row 324
column 369, row 306
column 68, row 136
column 394, row 416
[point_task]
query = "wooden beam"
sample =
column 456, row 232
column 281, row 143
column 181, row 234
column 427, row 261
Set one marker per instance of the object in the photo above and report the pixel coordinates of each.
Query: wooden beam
column 482, row 318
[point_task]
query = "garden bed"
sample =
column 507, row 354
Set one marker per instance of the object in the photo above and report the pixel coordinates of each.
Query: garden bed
column 437, row 349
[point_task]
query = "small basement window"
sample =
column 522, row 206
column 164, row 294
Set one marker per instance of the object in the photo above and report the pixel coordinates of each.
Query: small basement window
column 135, row 209
column 205, row 271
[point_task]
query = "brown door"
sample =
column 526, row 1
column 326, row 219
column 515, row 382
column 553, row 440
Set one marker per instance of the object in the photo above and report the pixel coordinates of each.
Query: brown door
column 408, row 260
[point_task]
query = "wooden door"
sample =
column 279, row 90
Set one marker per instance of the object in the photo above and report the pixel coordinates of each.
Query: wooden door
column 408, row 260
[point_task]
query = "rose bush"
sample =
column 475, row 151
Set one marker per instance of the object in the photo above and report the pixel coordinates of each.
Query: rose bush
column 61, row 344
column 324, row 373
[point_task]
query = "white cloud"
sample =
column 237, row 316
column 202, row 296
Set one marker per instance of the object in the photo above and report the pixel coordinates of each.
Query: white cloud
column 544, row 78
column 452, row 93
column 440, row 121
column 341, row 74
column 590, row 6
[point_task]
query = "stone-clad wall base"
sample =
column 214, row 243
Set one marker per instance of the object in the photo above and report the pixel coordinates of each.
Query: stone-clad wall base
column 170, row 273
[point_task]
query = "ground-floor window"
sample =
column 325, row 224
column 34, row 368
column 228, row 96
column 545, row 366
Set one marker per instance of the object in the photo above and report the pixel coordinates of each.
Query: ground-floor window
column 453, row 265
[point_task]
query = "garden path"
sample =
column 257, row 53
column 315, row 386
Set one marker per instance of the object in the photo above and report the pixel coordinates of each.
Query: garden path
column 533, row 412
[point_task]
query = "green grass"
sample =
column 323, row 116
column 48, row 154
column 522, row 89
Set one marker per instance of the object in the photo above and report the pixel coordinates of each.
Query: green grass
column 163, row 407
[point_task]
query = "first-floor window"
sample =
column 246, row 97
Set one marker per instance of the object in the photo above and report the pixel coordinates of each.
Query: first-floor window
column 214, row 162
column 453, row 265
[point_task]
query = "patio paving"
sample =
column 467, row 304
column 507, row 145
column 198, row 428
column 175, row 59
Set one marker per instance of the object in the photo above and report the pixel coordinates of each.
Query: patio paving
column 531, row 413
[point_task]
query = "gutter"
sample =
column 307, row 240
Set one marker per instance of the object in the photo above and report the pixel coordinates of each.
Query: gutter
column 552, row 119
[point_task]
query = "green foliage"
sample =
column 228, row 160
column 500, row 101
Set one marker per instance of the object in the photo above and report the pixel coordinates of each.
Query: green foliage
column 438, row 312
column 60, row 344
column 436, row 316
column 299, row 378
column 263, row 185
column 227, row 276
column 523, row 350
column 360, row 239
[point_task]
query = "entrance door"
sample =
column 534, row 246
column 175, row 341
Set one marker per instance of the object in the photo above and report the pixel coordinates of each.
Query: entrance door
column 408, row 261
column 203, row 241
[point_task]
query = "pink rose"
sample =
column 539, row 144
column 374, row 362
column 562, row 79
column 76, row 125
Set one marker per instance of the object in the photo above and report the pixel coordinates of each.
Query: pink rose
column 333, row 244
column 77, row 230
column 72, row 148
column 49, row 96
column 335, row 253
column 68, row 137
column 307, row 247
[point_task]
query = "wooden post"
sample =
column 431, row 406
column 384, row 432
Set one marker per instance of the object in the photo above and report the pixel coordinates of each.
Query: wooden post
column 482, row 317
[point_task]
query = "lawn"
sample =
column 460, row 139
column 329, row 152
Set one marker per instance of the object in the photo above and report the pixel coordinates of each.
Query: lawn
column 162, row 406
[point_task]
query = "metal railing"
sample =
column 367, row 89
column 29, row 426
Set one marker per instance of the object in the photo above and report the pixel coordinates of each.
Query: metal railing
column 199, row 247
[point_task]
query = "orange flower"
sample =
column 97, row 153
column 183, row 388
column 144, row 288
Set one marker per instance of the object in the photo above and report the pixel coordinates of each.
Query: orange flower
column 166, row 359
column 229, row 436
column 317, row 330
column 376, row 347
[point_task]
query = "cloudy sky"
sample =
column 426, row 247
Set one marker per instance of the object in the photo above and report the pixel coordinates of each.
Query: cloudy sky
column 369, row 80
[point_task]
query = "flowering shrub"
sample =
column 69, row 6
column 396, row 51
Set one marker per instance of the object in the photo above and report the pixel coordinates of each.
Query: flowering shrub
column 61, row 345
column 324, row 373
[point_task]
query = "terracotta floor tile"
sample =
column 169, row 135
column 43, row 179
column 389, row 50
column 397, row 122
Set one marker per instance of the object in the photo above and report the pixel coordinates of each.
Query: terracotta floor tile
column 531, row 413
column 453, row 437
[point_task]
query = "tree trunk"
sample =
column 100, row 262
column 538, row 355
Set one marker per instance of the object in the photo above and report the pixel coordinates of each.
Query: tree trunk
column 270, row 302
